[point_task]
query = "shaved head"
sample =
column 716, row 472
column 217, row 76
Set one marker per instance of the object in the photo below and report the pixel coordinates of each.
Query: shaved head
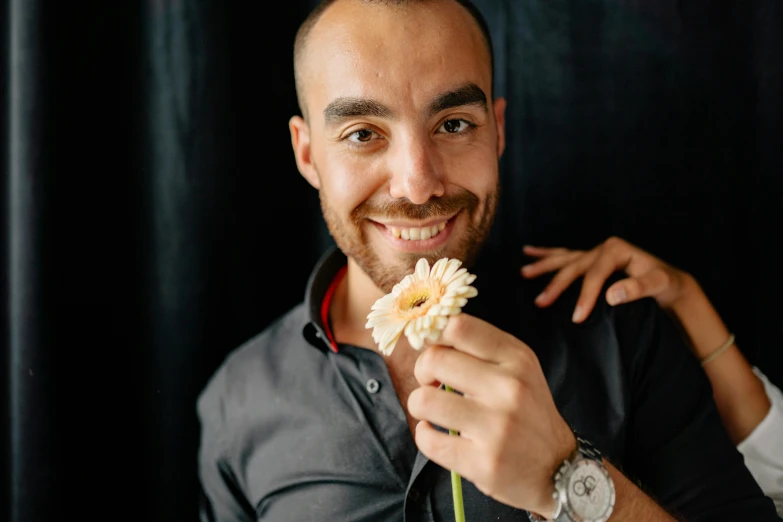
column 306, row 28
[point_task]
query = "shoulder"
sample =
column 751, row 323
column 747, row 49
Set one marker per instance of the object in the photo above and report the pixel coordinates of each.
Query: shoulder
column 248, row 369
column 633, row 331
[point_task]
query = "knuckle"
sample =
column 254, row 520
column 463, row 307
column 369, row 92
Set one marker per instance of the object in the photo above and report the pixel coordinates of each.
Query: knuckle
column 427, row 443
column 512, row 389
column 458, row 325
column 613, row 242
column 419, row 402
column 615, row 246
column 430, row 358
column 632, row 287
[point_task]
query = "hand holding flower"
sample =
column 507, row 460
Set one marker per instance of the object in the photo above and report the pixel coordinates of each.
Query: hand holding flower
column 420, row 306
column 512, row 437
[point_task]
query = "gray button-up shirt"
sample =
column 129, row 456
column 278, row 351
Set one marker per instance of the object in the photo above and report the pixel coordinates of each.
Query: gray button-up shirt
column 296, row 427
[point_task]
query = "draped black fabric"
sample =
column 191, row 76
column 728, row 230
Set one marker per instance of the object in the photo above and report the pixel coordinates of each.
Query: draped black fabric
column 155, row 218
column 659, row 122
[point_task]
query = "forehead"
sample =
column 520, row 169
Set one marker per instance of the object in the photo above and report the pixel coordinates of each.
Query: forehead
column 399, row 55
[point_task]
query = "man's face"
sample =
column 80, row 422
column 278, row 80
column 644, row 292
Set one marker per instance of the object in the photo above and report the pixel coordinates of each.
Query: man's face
column 402, row 138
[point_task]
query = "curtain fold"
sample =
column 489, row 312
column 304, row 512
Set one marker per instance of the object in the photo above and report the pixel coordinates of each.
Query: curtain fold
column 32, row 451
column 187, row 178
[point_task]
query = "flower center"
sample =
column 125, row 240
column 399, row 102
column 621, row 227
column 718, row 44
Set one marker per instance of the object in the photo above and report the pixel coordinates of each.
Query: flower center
column 420, row 301
column 417, row 300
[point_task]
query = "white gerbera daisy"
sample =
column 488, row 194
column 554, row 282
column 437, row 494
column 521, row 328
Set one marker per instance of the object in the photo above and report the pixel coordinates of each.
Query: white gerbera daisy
column 420, row 305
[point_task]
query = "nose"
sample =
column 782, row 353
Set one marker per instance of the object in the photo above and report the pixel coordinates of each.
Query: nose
column 415, row 170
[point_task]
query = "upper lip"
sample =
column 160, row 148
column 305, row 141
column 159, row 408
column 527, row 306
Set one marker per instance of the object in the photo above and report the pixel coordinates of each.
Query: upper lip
column 421, row 224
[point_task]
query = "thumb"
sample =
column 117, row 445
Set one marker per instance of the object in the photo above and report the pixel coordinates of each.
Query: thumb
column 630, row 289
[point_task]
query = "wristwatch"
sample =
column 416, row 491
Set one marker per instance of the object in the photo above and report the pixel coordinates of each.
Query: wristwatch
column 584, row 491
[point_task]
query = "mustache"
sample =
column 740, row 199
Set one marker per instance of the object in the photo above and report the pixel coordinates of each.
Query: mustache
column 404, row 209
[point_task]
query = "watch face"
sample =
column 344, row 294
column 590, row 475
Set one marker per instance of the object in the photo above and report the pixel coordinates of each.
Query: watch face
column 590, row 492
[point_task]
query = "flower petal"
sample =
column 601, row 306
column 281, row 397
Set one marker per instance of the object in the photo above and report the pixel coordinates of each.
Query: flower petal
column 372, row 322
column 458, row 275
column 434, row 335
column 451, row 267
column 416, row 342
column 468, row 292
column 390, row 338
column 436, row 274
column 448, row 300
column 422, row 269
column 380, row 311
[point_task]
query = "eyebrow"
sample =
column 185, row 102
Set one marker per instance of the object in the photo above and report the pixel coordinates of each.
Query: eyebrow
column 344, row 108
column 468, row 94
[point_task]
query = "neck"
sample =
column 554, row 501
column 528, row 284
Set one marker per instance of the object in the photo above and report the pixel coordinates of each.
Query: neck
column 351, row 303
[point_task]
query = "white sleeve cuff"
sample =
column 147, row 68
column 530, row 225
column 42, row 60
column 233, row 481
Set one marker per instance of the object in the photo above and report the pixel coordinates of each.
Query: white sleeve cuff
column 763, row 448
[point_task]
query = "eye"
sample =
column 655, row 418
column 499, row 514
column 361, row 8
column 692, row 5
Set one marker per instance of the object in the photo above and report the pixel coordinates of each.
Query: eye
column 361, row 136
column 455, row 126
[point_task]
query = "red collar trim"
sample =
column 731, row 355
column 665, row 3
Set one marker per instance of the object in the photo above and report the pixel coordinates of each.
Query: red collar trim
column 325, row 306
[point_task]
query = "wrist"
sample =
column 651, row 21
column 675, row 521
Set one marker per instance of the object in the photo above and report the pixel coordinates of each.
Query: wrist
column 549, row 505
column 691, row 296
column 583, row 490
column 698, row 318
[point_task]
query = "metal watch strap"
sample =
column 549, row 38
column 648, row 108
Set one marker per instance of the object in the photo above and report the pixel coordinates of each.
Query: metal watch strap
column 586, row 449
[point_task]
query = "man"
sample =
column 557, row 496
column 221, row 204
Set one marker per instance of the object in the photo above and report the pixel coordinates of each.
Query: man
column 401, row 137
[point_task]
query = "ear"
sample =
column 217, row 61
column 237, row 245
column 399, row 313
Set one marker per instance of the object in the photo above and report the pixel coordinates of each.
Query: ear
column 500, row 120
column 300, row 140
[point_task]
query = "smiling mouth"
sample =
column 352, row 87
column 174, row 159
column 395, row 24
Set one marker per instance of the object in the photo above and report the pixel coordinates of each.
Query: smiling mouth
column 425, row 234
column 417, row 233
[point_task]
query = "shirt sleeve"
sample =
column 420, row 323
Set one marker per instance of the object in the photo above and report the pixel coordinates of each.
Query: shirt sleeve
column 763, row 448
column 221, row 496
column 677, row 449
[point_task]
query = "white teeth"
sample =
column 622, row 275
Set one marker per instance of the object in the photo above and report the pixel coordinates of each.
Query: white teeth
column 418, row 234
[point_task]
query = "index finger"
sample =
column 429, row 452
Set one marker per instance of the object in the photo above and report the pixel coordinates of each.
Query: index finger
column 478, row 338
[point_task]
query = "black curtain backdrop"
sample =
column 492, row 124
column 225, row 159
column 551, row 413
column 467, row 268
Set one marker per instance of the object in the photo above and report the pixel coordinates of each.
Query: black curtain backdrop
column 155, row 218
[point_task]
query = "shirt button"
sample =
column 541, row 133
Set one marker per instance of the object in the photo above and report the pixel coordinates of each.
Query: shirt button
column 373, row 386
column 413, row 494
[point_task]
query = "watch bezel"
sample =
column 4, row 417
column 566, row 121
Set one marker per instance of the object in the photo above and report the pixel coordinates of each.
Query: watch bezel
column 562, row 488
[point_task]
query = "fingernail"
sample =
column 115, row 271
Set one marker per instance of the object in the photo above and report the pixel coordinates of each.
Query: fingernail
column 525, row 268
column 541, row 297
column 578, row 313
column 617, row 296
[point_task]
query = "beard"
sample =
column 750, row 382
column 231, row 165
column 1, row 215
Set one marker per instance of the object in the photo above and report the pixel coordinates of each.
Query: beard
column 385, row 273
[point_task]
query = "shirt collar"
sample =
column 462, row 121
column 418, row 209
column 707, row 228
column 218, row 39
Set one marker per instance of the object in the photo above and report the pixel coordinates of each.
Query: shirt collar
column 323, row 281
column 501, row 264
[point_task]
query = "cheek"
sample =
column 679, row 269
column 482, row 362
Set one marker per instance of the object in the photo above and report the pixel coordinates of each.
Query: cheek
column 349, row 182
column 475, row 171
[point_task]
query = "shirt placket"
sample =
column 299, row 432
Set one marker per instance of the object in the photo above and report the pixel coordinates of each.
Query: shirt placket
column 392, row 426
column 418, row 500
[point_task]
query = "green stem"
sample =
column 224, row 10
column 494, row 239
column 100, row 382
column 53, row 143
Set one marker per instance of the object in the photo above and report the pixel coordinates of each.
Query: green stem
column 456, row 483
